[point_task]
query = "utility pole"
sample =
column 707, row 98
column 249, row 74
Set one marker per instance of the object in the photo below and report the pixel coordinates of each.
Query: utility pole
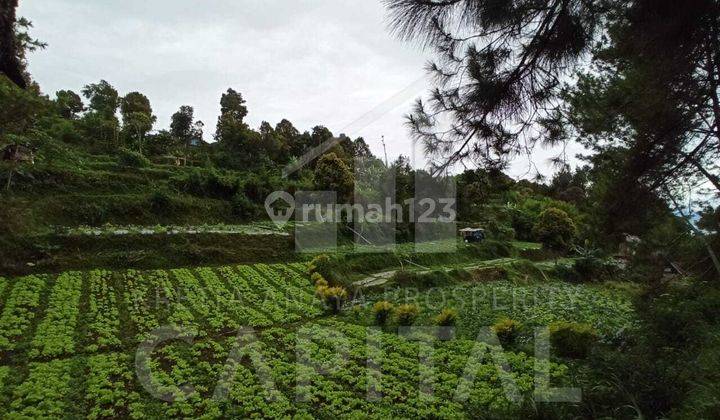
column 385, row 150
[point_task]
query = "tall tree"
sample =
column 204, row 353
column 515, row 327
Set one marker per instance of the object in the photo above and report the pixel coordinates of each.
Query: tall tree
column 26, row 44
column 135, row 102
column 101, row 122
column 232, row 113
column 288, row 136
column 104, row 99
column 656, row 92
column 69, row 104
column 19, row 109
column 652, row 102
column 332, row 174
column 498, row 70
column 181, row 124
column 137, row 117
column 10, row 59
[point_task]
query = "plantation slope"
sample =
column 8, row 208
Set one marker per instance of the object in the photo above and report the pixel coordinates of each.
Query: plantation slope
column 465, row 379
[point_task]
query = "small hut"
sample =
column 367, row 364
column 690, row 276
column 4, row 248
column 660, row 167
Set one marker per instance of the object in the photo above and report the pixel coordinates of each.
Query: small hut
column 627, row 248
column 473, row 234
column 18, row 153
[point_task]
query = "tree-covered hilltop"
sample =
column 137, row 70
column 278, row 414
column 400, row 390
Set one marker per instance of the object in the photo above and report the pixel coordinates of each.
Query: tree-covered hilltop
column 99, row 158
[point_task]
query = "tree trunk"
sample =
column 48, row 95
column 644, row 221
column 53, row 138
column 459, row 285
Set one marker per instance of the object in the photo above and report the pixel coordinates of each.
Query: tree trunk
column 715, row 180
column 708, row 247
column 10, row 64
column 9, row 181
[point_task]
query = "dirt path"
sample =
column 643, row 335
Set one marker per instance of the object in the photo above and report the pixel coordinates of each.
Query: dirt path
column 378, row 279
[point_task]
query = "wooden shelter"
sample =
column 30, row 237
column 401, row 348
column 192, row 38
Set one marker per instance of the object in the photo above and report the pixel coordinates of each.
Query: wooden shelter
column 473, row 234
column 18, row 153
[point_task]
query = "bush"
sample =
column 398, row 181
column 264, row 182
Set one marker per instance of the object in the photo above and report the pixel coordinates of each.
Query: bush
column 555, row 229
column 319, row 281
column 161, row 203
column 586, row 269
column 572, row 340
column 243, row 207
column 522, row 223
column 382, row 311
column 507, row 330
column 318, row 278
column 321, row 264
column 334, row 297
column 491, row 249
column 447, row 317
column 434, row 279
column 132, row 159
column 589, row 268
column 91, row 213
column 258, row 187
column 320, row 289
column 208, row 183
column 499, row 231
column 406, row 314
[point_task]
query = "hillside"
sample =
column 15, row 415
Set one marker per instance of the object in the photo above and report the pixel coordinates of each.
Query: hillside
column 72, row 338
column 537, row 236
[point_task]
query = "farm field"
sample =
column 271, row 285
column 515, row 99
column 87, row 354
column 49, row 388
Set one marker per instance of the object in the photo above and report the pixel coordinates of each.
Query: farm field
column 51, row 316
column 609, row 311
column 221, row 229
column 260, row 209
column 70, row 347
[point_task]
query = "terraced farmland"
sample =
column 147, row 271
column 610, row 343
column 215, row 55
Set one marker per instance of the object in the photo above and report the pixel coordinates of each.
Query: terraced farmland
column 75, row 312
column 539, row 304
column 76, row 345
column 319, row 370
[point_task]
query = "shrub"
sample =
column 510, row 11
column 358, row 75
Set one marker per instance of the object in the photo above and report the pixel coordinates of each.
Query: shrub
column 320, row 264
column 567, row 273
column 586, row 269
column 357, row 312
column 555, row 229
column 208, row 183
column 91, row 213
column 507, row 330
column 447, row 317
column 161, row 203
column 491, row 249
column 242, row 206
column 406, row 314
column 319, row 280
column 570, row 339
column 522, row 223
column 403, row 277
column 320, row 289
column 382, row 311
column 132, row 159
column 258, row 187
column 334, row 297
column 499, row 230
column 317, row 277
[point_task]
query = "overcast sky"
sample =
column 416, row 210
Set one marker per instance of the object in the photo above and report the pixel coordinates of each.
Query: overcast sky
column 314, row 62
